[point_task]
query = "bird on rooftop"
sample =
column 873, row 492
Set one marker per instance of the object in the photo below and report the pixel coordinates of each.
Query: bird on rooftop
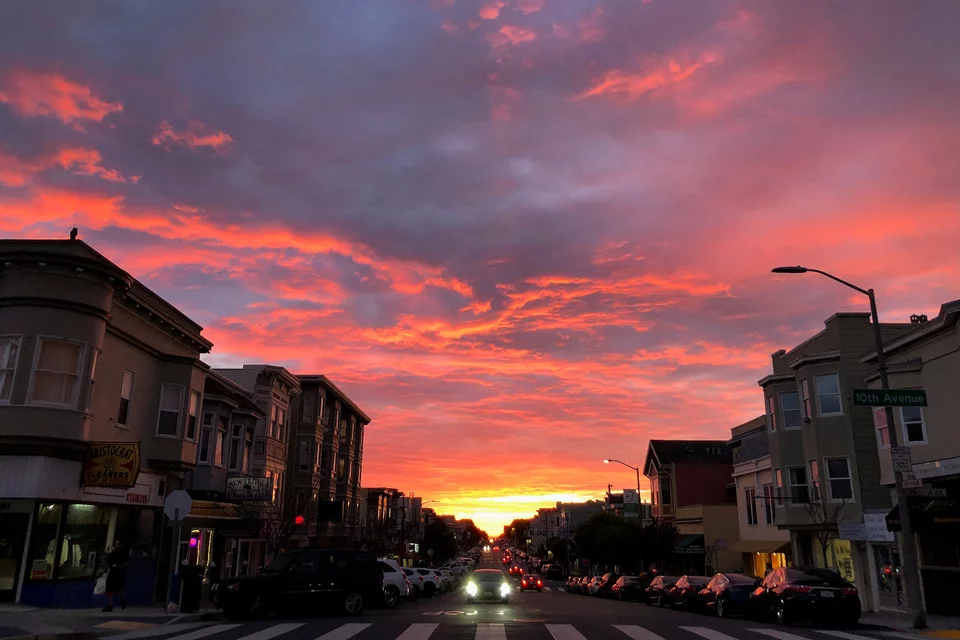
column 73, row 233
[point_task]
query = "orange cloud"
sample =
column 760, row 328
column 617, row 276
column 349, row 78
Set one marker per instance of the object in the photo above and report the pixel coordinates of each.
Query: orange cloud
column 517, row 35
column 635, row 85
column 77, row 160
column 193, row 136
column 47, row 94
column 491, row 10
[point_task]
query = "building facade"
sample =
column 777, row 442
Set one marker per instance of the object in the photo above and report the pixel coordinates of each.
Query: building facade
column 823, row 452
column 101, row 388
column 927, row 358
column 762, row 545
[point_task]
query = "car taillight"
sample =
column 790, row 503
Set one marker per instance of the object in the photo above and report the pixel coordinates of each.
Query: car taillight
column 799, row 588
column 849, row 591
column 539, row 583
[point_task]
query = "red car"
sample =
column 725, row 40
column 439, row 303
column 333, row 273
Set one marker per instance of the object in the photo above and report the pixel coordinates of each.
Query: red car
column 516, row 570
column 531, row 582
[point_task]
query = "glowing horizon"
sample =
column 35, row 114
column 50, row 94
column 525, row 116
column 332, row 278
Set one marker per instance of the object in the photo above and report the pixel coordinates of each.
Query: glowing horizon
column 522, row 235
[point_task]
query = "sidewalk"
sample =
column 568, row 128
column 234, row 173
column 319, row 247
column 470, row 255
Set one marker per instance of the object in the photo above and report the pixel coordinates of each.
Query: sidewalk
column 21, row 622
column 947, row 627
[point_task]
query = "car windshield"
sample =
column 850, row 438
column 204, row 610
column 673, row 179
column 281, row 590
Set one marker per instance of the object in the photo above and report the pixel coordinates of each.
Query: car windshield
column 532, row 576
column 737, row 578
column 630, row 579
column 488, row 576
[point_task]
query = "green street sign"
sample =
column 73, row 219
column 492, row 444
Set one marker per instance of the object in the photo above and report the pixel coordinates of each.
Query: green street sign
column 890, row 398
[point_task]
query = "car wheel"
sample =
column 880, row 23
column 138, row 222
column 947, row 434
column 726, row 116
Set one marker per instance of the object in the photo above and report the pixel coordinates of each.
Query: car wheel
column 660, row 602
column 685, row 603
column 780, row 613
column 430, row 589
column 353, row 603
column 721, row 608
column 415, row 593
column 391, row 596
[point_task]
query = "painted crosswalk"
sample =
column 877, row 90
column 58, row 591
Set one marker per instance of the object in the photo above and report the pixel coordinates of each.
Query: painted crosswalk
column 387, row 629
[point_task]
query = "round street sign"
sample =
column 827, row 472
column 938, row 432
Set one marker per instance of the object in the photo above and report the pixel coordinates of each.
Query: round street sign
column 177, row 505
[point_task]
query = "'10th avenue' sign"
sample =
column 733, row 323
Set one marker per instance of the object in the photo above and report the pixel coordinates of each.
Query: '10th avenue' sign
column 890, row 398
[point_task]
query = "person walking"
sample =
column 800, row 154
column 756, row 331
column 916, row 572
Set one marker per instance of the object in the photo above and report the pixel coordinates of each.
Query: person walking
column 117, row 575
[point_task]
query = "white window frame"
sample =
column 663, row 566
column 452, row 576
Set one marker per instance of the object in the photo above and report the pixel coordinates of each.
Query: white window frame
column 750, row 500
column 799, row 410
column 849, row 479
column 794, row 502
column 133, row 384
column 179, row 411
column 196, row 415
column 209, row 431
column 11, row 368
column 839, row 394
column 94, row 359
column 75, row 394
column 771, row 413
column 907, row 442
column 769, row 506
column 806, row 407
column 881, row 428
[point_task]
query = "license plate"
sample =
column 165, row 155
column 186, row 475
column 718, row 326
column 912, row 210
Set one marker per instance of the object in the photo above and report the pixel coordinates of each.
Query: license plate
column 826, row 594
column 488, row 594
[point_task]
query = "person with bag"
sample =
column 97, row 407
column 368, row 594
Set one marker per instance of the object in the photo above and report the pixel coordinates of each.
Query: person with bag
column 116, row 575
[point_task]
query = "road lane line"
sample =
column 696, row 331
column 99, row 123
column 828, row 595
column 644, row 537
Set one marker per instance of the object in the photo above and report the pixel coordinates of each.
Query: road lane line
column 779, row 635
column 273, row 631
column 842, row 634
column 159, row 630
column 419, row 631
column 342, row 632
column 491, row 632
column 564, row 632
column 203, row 633
column 637, row 632
column 709, row 634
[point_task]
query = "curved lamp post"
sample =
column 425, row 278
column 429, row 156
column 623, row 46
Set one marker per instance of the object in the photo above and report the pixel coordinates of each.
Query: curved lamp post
column 909, row 543
column 637, row 469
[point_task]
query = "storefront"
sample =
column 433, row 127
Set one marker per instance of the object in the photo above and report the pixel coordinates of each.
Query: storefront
column 66, row 542
column 760, row 557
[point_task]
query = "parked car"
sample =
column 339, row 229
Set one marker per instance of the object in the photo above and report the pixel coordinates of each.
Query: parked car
column 728, row 593
column 553, row 571
column 569, row 585
column 531, row 582
column 685, row 592
column 812, row 594
column 628, row 588
column 395, row 583
column 431, row 581
column 655, row 593
column 593, row 586
column 351, row 579
column 416, row 582
column 606, row 584
column 447, row 579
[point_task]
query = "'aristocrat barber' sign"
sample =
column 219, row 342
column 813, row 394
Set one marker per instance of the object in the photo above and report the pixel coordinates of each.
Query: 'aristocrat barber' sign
column 111, row 464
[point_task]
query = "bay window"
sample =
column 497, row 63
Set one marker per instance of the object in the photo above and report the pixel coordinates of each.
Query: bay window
column 304, row 455
column 9, row 355
column 839, row 478
column 247, row 451
column 914, row 430
column 56, row 374
column 805, row 398
column 799, row 488
column 828, row 394
column 750, row 499
column 171, row 403
column 236, row 452
column 126, row 397
column 192, row 410
column 771, row 413
column 790, row 410
column 206, row 438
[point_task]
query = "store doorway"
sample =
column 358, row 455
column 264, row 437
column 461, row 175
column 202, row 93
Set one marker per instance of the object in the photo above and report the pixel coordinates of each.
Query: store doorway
column 13, row 537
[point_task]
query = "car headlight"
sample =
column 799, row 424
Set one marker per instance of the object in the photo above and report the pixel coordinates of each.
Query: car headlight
column 504, row 589
column 471, row 589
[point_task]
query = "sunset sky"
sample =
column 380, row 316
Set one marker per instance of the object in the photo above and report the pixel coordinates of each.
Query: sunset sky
column 523, row 235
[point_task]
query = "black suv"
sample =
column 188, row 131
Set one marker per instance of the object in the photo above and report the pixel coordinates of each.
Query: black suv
column 303, row 581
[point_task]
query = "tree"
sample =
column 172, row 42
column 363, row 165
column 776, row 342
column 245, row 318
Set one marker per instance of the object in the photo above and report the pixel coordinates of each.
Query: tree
column 518, row 531
column 440, row 538
column 559, row 549
column 658, row 540
column 824, row 518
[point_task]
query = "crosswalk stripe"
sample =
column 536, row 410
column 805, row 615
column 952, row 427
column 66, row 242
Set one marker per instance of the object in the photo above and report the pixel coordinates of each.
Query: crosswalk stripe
column 779, row 635
column 842, row 634
column 491, row 632
column 206, row 631
column 897, row 634
column 637, row 632
column 418, row 631
column 158, row 630
column 709, row 634
column 546, row 588
column 564, row 632
column 273, row 631
column 340, row 633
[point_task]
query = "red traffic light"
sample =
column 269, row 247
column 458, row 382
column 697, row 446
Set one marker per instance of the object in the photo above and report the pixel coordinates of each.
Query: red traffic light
column 299, row 520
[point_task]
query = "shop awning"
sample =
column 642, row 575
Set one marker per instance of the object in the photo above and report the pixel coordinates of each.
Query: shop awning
column 690, row 544
column 761, row 546
column 925, row 514
column 214, row 510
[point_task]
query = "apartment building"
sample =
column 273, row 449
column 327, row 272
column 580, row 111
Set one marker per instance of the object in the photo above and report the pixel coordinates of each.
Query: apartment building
column 329, row 434
column 823, row 449
column 691, row 487
column 927, row 357
column 762, row 545
column 101, row 389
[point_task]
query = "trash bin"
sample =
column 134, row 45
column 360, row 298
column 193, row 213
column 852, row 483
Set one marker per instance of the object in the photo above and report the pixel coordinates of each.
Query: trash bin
column 191, row 586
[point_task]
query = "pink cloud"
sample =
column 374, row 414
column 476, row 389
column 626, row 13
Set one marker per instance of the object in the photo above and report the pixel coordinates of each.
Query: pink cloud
column 77, row 160
column 491, row 10
column 530, row 6
column 194, row 136
column 48, row 94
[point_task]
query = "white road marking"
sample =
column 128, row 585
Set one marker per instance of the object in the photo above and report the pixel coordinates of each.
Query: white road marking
column 709, row 634
column 342, row 632
column 546, row 588
column 636, row 632
column 844, row 634
column 159, row 630
column 564, row 632
column 273, row 631
column 203, row 633
column 779, row 635
column 897, row 634
column 418, row 631
column 491, row 632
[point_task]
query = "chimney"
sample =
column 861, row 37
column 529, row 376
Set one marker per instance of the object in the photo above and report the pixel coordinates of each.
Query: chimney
column 918, row 318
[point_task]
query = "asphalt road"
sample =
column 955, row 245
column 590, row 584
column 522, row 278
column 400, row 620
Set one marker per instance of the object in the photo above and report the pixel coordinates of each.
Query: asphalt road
column 551, row 615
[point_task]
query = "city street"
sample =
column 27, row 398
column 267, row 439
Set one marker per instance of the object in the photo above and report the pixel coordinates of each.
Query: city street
column 552, row 614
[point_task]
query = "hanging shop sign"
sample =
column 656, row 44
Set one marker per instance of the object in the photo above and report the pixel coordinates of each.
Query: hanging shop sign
column 111, row 464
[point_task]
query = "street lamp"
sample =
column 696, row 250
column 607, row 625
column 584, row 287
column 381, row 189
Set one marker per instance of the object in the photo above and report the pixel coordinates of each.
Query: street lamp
column 912, row 575
column 637, row 469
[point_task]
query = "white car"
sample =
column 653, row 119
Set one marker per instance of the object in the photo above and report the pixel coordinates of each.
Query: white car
column 395, row 582
column 431, row 581
column 447, row 579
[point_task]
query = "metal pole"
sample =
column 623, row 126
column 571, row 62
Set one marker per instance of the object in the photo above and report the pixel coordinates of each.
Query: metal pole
column 908, row 539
